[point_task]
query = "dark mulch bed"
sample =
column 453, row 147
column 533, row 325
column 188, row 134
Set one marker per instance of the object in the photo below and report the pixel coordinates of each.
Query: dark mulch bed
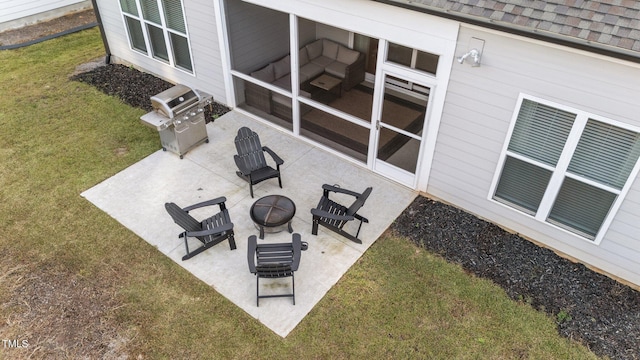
column 589, row 307
column 135, row 87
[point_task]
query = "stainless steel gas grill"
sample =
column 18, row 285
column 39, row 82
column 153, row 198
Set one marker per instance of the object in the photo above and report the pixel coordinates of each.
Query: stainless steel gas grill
column 178, row 115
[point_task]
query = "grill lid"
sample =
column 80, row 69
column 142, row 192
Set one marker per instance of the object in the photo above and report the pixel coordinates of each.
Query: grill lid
column 174, row 100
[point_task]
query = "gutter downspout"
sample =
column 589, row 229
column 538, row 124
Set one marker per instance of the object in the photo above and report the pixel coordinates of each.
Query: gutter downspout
column 107, row 59
column 525, row 32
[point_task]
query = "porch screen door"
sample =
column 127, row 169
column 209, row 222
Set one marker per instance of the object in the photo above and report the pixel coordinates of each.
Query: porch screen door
column 399, row 131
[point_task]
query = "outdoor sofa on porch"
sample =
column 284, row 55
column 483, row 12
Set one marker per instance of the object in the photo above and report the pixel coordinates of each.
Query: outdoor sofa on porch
column 316, row 58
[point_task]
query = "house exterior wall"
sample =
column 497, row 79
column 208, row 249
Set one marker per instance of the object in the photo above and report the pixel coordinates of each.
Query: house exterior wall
column 477, row 114
column 204, row 42
column 18, row 13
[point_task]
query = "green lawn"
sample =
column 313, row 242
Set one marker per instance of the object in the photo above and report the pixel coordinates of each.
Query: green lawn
column 74, row 282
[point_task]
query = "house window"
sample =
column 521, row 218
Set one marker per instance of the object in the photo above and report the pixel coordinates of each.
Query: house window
column 567, row 167
column 157, row 28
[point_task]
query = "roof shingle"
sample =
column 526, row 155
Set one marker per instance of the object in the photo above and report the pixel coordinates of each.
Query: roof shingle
column 612, row 24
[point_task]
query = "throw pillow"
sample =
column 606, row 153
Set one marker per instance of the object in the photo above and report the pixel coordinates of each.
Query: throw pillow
column 282, row 67
column 304, row 57
column 314, row 49
column 347, row 56
column 265, row 74
column 329, row 49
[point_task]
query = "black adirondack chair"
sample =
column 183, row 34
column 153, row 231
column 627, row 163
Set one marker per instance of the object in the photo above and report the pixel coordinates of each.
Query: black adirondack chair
column 334, row 216
column 251, row 162
column 210, row 231
column 274, row 261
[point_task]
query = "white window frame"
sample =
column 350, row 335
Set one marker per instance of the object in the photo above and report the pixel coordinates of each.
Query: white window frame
column 560, row 171
column 413, row 88
column 165, row 30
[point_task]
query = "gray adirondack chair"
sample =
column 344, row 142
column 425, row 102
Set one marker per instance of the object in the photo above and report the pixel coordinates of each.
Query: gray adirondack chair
column 210, row 231
column 269, row 261
column 251, row 162
column 335, row 216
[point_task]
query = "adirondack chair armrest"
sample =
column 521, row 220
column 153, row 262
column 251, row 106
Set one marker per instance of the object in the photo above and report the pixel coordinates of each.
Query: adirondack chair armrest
column 241, row 166
column 218, row 230
column 328, row 215
column 217, row 201
column 297, row 251
column 336, row 189
column 251, row 253
column 274, row 156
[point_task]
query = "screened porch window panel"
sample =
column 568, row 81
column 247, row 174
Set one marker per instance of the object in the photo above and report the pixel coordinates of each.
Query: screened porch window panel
column 581, row 207
column 541, row 132
column 150, row 11
column 400, row 54
column 522, row 184
column 427, row 62
column 174, row 16
column 606, row 154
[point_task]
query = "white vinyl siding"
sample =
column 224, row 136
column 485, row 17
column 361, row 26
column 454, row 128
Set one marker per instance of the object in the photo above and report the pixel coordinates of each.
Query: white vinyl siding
column 160, row 32
column 564, row 167
column 18, row 13
column 477, row 116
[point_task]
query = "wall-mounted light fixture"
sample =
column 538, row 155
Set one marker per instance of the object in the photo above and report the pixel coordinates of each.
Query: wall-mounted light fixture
column 472, row 56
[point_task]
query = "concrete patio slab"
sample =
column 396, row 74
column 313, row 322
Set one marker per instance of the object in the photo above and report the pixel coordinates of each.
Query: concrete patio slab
column 208, row 171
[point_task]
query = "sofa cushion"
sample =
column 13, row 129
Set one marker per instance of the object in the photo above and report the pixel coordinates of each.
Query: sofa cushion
column 282, row 67
column 329, row 49
column 281, row 99
column 265, row 74
column 310, row 71
column 284, row 82
column 314, row 49
column 303, row 57
column 322, row 61
column 337, row 69
column 347, row 56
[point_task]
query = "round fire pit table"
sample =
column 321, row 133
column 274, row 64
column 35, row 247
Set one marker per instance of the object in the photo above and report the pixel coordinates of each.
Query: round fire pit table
column 271, row 213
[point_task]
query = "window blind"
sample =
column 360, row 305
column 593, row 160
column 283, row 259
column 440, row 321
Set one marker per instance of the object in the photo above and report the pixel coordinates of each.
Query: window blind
column 581, row 207
column 541, row 132
column 150, row 11
column 181, row 51
column 173, row 15
column 129, row 7
column 158, row 44
column 522, row 184
column 606, row 154
column 136, row 36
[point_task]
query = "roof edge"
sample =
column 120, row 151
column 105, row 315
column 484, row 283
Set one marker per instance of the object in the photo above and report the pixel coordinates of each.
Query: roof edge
column 589, row 46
